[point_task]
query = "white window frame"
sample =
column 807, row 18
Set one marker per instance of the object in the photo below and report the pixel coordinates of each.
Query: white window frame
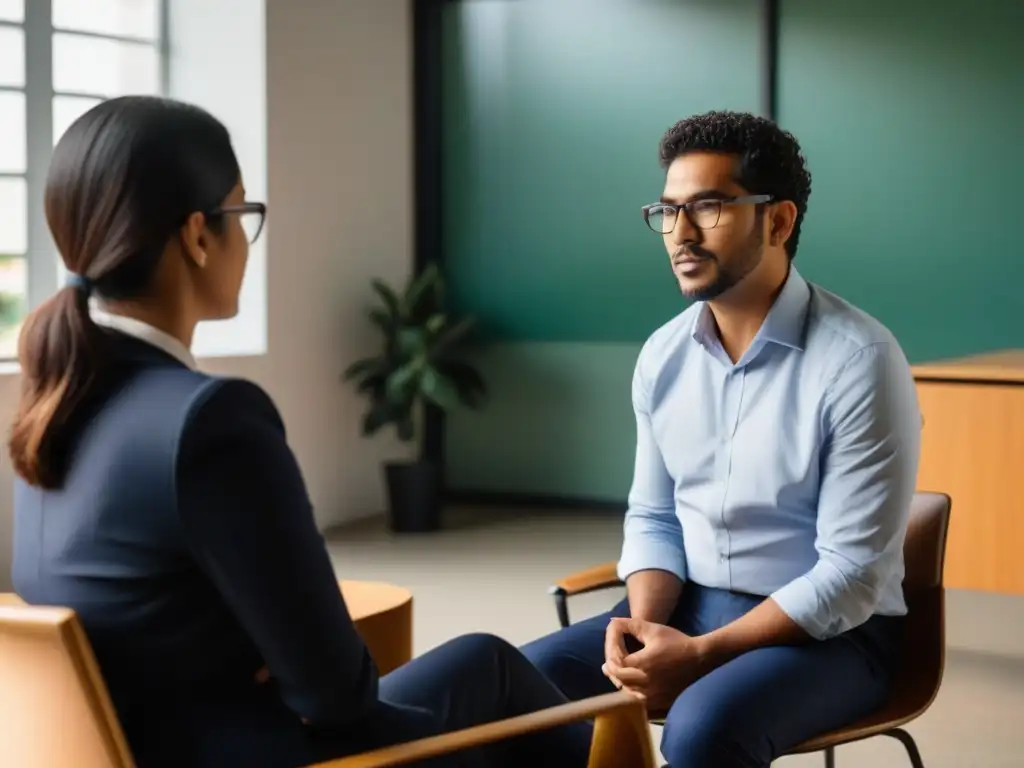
column 43, row 267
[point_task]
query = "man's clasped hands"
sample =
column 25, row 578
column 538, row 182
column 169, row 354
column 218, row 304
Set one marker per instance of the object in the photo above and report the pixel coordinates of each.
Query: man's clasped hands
column 661, row 669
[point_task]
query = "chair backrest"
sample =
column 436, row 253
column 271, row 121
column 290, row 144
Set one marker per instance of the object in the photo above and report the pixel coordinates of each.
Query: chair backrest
column 924, row 554
column 924, row 551
column 54, row 706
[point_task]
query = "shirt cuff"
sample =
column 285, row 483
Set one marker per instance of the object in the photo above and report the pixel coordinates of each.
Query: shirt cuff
column 801, row 601
column 651, row 555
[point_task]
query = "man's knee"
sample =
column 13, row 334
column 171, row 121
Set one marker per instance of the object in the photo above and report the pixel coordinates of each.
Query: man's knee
column 698, row 736
column 550, row 654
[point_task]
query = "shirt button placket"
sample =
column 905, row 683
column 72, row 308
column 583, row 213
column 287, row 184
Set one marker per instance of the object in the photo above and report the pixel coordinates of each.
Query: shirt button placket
column 731, row 411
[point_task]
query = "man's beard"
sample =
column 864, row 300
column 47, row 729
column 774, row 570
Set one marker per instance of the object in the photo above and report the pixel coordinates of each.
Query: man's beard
column 741, row 265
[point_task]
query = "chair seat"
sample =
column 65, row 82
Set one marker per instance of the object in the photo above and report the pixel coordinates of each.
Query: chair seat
column 904, row 706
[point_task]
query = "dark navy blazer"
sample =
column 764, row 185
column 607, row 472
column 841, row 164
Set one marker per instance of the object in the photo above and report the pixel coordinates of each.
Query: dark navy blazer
column 184, row 539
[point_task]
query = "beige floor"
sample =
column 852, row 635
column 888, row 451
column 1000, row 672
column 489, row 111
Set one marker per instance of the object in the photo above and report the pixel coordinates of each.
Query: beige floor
column 489, row 572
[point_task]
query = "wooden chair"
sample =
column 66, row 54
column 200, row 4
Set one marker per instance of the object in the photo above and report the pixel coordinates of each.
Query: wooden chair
column 55, row 709
column 920, row 676
column 622, row 738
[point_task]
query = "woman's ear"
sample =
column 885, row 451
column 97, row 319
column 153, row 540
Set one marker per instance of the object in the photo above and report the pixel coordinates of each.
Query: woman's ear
column 193, row 239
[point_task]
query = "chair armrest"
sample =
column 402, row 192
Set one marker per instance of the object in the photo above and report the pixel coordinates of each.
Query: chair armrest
column 622, row 737
column 599, row 577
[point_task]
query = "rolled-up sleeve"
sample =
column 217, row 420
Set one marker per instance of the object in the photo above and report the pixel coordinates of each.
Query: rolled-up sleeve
column 652, row 534
column 869, row 474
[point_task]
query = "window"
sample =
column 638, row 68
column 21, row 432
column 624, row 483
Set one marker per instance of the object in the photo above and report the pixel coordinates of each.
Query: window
column 58, row 58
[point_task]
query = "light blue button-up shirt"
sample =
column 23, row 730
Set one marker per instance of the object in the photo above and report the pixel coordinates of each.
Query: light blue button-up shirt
column 787, row 474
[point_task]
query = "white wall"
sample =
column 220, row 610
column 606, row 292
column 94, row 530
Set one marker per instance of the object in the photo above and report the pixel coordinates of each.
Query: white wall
column 340, row 193
column 202, row 36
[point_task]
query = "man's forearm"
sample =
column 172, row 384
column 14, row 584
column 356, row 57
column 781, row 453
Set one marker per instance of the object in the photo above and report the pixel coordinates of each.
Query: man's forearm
column 765, row 625
column 653, row 595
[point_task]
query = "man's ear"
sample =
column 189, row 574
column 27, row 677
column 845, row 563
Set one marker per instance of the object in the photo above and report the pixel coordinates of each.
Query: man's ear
column 782, row 219
column 193, row 239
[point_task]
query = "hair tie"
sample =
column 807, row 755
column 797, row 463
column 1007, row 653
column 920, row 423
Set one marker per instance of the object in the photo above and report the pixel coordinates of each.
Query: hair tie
column 79, row 283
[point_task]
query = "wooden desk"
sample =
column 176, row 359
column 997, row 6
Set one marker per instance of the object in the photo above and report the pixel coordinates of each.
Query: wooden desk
column 973, row 449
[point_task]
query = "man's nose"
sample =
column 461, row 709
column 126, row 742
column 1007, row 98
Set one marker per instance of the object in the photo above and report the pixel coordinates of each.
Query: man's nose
column 684, row 231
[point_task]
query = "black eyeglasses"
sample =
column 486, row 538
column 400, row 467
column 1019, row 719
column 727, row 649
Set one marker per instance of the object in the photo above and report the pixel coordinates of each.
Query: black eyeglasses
column 703, row 214
column 252, row 216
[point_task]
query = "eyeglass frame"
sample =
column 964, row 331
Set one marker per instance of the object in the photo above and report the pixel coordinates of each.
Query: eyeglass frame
column 686, row 208
column 242, row 209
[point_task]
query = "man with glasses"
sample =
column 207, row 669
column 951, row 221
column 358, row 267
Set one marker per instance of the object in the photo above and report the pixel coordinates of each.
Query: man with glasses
column 776, row 457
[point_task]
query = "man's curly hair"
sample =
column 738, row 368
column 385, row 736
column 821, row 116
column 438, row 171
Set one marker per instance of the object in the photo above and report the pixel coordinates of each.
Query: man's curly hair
column 770, row 160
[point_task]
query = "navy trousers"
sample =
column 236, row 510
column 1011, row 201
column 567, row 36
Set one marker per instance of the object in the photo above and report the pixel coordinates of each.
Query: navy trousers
column 751, row 710
column 471, row 680
column 477, row 679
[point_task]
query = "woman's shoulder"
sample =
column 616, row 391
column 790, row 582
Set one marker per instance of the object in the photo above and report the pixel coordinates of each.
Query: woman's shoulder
column 233, row 455
column 183, row 404
column 235, row 398
column 230, row 407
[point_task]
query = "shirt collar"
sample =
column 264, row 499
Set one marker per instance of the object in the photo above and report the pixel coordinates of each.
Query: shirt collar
column 784, row 323
column 786, row 319
column 143, row 332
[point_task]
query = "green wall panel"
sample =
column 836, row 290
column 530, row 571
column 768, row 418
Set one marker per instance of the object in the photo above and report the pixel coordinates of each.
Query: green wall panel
column 560, row 422
column 912, row 117
column 553, row 113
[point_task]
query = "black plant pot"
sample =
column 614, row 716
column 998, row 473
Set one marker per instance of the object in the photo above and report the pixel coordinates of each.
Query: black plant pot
column 414, row 496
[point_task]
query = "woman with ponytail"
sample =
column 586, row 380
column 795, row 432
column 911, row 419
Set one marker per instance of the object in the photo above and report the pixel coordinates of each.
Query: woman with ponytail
column 164, row 505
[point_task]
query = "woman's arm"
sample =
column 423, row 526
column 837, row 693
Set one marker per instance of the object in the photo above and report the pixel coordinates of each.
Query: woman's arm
column 250, row 525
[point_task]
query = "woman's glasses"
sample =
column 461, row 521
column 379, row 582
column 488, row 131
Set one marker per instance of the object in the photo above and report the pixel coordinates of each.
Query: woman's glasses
column 252, row 216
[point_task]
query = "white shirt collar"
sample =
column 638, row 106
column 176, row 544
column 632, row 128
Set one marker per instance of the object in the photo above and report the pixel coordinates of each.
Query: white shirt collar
column 144, row 332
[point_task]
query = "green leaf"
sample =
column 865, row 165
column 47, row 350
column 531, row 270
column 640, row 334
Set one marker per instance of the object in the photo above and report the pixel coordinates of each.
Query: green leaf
column 368, row 365
column 375, row 385
column 412, row 341
column 387, row 295
column 384, row 321
column 423, row 297
column 453, row 335
column 439, row 389
column 435, row 324
column 467, row 380
column 402, row 383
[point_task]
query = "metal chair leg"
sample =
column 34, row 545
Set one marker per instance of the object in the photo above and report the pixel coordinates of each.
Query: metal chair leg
column 561, row 606
column 830, row 757
column 909, row 744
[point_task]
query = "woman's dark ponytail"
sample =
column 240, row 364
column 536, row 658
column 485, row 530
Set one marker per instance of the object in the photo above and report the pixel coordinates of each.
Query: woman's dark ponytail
column 59, row 351
column 122, row 181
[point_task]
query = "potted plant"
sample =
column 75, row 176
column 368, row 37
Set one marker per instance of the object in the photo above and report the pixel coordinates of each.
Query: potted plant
column 419, row 366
